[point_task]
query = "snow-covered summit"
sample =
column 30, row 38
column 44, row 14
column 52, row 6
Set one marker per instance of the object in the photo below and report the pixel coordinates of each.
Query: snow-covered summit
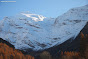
column 31, row 31
column 34, row 17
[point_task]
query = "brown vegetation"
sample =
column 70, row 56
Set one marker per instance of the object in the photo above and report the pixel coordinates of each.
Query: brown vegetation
column 83, row 52
column 84, row 46
column 70, row 55
column 7, row 52
column 45, row 55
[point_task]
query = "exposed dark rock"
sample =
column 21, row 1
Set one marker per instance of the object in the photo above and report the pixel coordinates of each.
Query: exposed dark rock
column 9, row 44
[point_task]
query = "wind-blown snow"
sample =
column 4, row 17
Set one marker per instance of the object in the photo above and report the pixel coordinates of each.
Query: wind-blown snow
column 34, row 17
column 32, row 31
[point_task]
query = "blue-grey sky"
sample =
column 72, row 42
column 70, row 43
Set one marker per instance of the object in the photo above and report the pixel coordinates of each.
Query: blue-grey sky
column 47, row 8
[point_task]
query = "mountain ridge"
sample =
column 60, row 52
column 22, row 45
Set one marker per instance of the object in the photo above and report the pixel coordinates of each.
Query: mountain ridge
column 39, row 33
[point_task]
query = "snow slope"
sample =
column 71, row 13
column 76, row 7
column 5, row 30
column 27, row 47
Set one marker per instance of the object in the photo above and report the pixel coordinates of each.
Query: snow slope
column 32, row 31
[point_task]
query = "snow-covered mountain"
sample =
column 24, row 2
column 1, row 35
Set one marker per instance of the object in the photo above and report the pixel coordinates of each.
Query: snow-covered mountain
column 32, row 31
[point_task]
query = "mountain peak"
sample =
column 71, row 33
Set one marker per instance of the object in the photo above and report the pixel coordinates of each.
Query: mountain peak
column 25, row 32
column 34, row 17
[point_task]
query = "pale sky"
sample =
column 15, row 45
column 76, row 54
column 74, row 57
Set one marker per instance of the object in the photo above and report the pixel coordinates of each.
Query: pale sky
column 47, row 8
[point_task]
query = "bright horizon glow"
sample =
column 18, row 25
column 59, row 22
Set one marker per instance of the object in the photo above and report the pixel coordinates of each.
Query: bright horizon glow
column 47, row 8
